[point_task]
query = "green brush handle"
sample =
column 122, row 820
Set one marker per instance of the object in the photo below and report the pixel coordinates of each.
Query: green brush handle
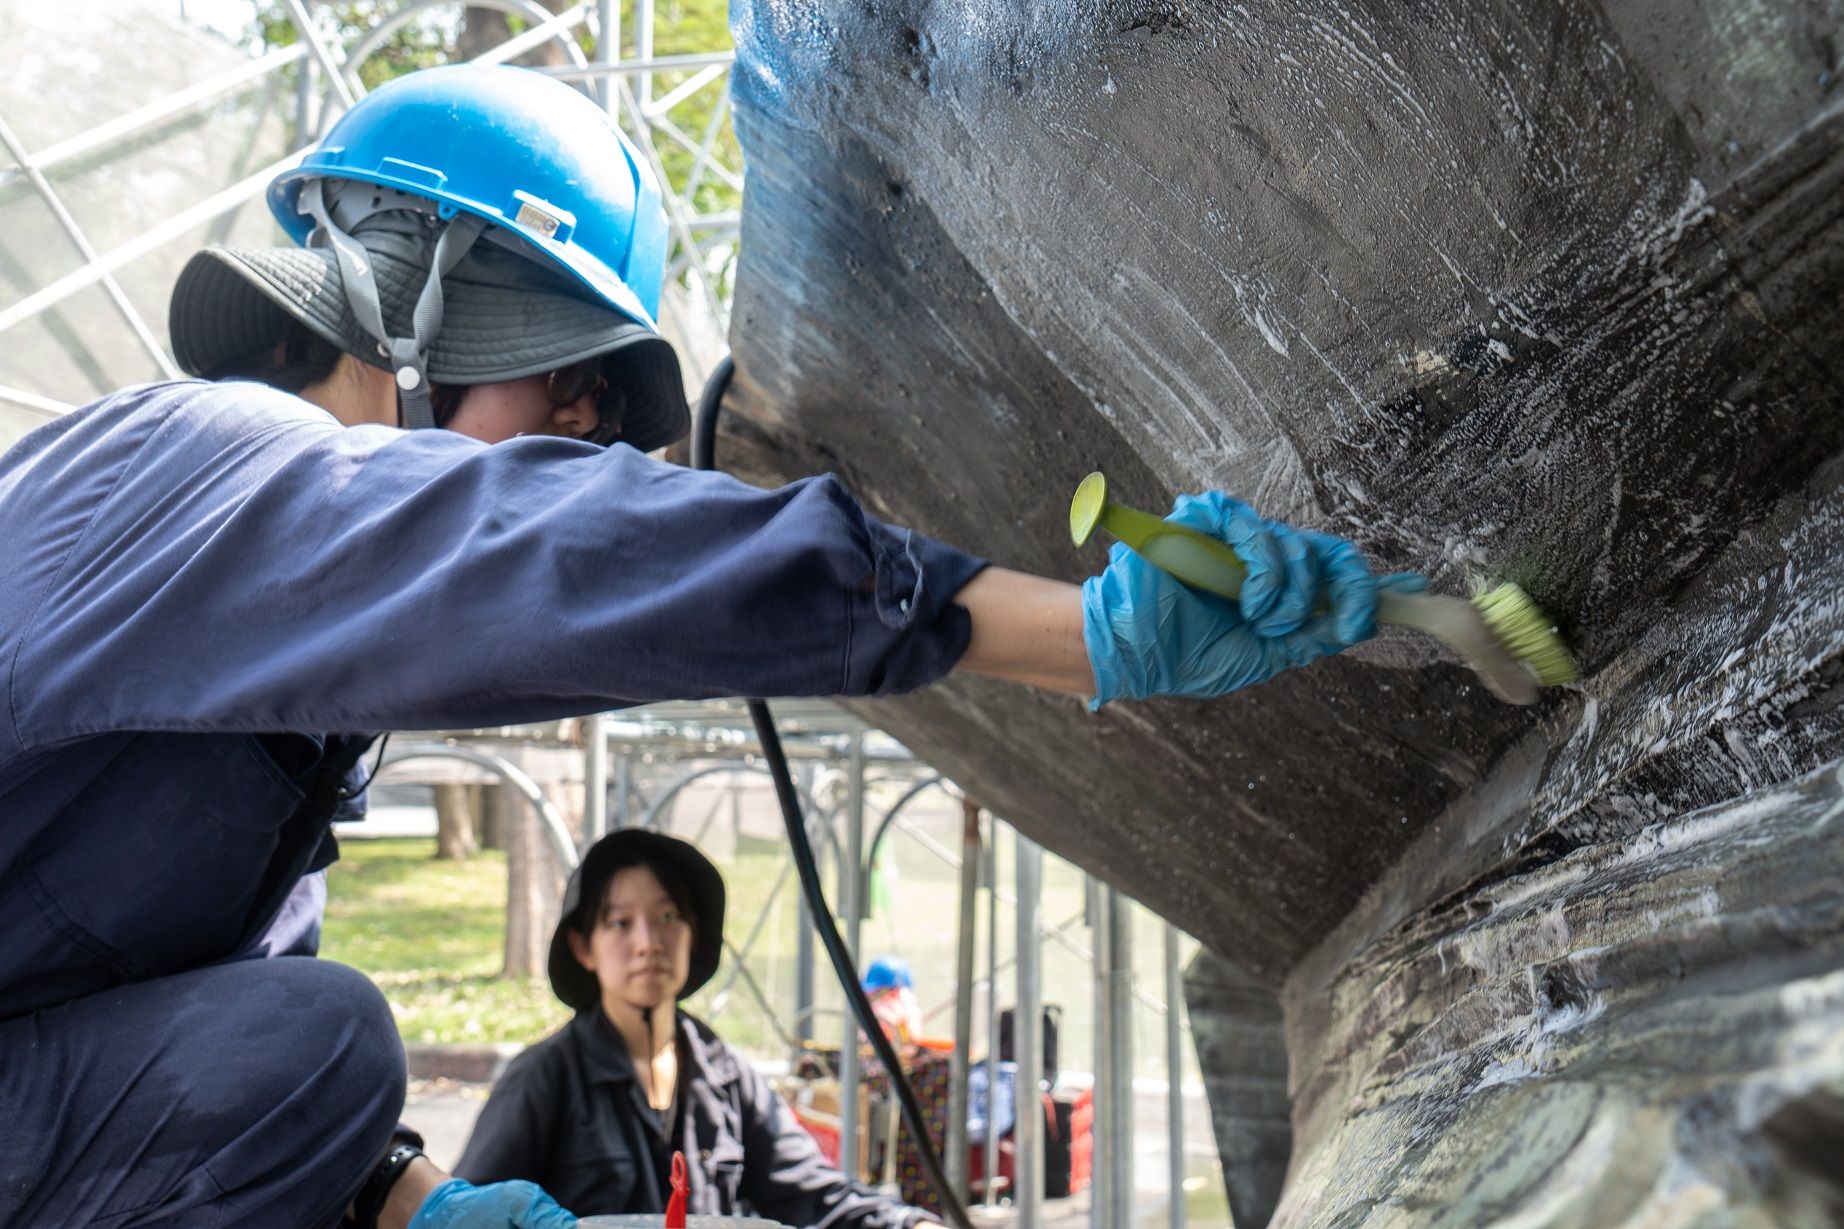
column 1201, row 561
column 1198, row 559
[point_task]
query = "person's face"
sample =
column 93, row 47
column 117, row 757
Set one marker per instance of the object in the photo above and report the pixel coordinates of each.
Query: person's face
column 494, row 412
column 640, row 948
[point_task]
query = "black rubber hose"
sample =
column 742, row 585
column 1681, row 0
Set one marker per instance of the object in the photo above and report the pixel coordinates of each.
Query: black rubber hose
column 704, row 418
column 703, row 450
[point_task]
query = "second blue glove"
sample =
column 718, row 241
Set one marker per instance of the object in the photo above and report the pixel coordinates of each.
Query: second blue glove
column 500, row 1205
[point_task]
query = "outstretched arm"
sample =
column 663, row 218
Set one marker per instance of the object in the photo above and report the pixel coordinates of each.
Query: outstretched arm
column 1026, row 629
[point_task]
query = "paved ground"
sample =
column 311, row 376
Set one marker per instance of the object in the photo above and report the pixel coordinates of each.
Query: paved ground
column 443, row 1110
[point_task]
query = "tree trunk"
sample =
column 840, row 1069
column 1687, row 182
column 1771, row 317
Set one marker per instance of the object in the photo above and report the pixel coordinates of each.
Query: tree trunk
column 454, row 823
column 478, row 800
column 496, row 816
column 534, row 889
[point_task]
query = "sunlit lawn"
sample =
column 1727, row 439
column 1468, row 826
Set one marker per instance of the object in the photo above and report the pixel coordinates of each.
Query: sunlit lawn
column 430, row 934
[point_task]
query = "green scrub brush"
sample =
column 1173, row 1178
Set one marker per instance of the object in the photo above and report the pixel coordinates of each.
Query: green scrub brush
column 1509, row 643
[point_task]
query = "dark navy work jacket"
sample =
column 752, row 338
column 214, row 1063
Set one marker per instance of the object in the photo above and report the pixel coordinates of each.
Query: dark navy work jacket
column 569, row 1115
column 212, row 594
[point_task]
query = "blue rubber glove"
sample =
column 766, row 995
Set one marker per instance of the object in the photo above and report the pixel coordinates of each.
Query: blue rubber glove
column 1150, row 634
column 502, row 1205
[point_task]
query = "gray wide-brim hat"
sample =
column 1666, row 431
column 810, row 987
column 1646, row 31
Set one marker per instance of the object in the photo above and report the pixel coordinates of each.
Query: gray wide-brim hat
column 577, row 986
column 504, row 316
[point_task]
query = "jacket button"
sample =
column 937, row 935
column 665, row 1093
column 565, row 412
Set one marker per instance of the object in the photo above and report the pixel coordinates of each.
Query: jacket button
column 704, row 1155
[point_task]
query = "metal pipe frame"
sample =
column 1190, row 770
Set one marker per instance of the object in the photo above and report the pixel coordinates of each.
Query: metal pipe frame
column 595, row 779
column 141, row 119
column 651, row 817
column 697, row 236
column 347, row 91
column 616, row 67
column 958, row 1065
column 32, row 401
column 851, row 907
column 1027, row 1032
column 1174, row 1079
column 991, row 876
column 74, row 233
column 1101, row 1174
column 608, row 46
column 562, row 844
column 1117, row 967
column 345, row 78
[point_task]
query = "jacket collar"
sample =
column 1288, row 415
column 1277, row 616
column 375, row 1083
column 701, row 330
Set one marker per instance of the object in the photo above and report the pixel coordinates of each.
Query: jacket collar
column 707, row 1060
column 710, row 1060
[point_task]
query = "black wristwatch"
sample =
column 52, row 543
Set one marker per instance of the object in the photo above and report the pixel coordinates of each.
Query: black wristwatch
column 370, row 1199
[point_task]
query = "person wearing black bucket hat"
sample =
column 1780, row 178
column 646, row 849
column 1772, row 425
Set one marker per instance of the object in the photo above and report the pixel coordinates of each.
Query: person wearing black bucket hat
column 408, row 491
column 594, row 1112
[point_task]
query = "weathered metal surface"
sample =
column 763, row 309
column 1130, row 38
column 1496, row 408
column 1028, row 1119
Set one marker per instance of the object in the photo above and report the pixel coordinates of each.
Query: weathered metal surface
column 1551, row 292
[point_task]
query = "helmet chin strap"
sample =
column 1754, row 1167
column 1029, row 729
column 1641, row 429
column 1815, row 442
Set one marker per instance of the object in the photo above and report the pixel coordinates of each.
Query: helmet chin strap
column 407, row 355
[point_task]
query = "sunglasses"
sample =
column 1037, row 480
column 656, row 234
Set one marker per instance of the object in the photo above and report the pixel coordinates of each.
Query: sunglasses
column 588, row 377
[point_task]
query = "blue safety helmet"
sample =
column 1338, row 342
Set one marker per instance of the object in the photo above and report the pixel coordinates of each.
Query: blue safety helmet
column 517, row 148
column 887, row 973
column 518, row 191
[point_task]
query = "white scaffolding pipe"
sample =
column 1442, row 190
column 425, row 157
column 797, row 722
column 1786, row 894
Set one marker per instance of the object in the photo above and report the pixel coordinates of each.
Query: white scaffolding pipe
column 1101, row 1191
column 851, row 908
column 554, row 828
column 134, row 249
column 676, row 217
column 32, row 401
column 685, row 89
column 541, row 33
column 956, row 1141
column 1027, row 1033
column 608, row 46
column 1117, row 965
column 702, row 162
column 1174, row 1079
column 684, row 139
column 348, row 90
column 643, row 51
column 74, row 233
column 541, row 18
column 595, row 779
column 990, row 1154
column 636, row 67
column 142, row 118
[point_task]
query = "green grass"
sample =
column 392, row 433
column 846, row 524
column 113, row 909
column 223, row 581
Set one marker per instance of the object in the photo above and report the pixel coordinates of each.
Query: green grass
column 431, row 935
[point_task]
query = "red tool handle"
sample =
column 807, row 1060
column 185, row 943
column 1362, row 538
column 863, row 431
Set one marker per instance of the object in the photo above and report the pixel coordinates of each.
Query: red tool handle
column 675, row 1207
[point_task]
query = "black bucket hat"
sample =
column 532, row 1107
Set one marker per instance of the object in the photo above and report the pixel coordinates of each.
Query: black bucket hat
column 504, row 316
column 625, row 847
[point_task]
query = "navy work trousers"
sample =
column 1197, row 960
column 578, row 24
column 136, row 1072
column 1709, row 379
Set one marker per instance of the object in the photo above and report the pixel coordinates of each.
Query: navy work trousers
column 255, row 1092
column 155, row 1068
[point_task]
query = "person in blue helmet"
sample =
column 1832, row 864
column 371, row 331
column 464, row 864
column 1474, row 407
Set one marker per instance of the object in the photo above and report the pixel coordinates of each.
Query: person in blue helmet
column 219, row 589
column 890, row 988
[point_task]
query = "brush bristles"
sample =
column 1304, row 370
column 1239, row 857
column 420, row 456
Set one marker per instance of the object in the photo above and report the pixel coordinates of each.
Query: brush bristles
column 1527, row 633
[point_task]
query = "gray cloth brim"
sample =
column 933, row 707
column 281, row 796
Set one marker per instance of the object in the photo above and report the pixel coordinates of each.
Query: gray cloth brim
column 499, row 322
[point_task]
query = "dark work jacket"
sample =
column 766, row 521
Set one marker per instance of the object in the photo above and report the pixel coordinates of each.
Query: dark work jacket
column 570, row 1115
column 213, row 593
